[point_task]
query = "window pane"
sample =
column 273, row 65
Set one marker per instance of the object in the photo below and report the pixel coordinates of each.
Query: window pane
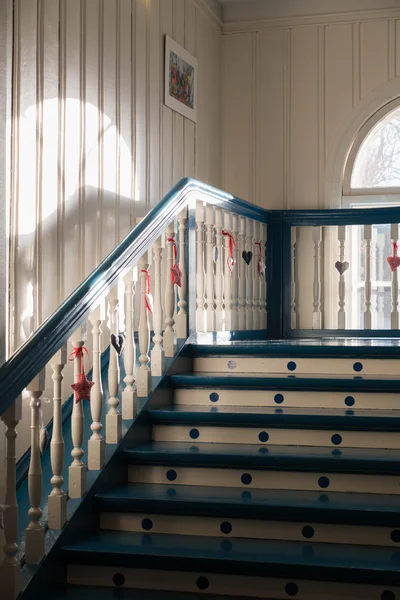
column 378, row 161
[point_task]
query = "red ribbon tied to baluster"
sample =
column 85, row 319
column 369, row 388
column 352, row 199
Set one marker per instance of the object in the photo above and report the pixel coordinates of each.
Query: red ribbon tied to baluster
column 232, row 244
column 261, row 264
column 176, row 273
column 83, row 386
column 148, row 295
column 394, row 260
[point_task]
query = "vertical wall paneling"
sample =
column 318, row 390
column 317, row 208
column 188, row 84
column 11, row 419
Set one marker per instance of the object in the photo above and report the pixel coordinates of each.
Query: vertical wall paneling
column 167, row 141
column 188, row 125
column 397, row 48
column 178, row 34
column 40, row 42
column 356, row 75
column 287, row 118
column 321, row 116
column 391, row 49
column 374, row 45
column 156, row 82
column 141, row 200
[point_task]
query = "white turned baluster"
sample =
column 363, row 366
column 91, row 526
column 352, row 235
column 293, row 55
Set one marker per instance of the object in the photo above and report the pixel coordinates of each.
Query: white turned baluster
column 129, row 396
column 219, row 305
column 113, row 417
column 77, row 470
column 235, row 276
column 293, row 307
column 242, row 273
column 380, row 245
column 228, row 269
column 157, row 354
column 317, row 315
column 34, row 533
column 169, row 336
column 96, row 446
column 57, row 499
column 368, row 279
column 181, row 317
column 342, row 281
column 143, row 376
column 256, row 276
column 394, row 315
column 263, row 282
column 200, row 301
column 210, row 267
column 10, row 570
column 249, row 275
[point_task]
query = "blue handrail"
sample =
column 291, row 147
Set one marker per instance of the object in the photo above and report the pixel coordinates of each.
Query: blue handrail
column 36, row 352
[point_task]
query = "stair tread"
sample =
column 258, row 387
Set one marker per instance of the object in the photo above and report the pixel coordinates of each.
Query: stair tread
column 266, row 504
column 271, row 416
column 253, row 456
column 77, row 592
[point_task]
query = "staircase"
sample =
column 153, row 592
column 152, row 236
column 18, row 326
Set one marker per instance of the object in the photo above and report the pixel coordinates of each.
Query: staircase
column 256, row 470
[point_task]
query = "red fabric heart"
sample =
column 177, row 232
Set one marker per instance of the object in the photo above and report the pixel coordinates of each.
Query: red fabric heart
column 393, row 262
column 176, row 275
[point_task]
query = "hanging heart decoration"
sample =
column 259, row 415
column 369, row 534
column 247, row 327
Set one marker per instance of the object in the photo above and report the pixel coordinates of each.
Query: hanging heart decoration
column 394, row 260
column 232, row 244
column 342, row 266
column 261, row 267
column 43, row 439
column 176, row 273
column 83, row 386
column 148, row 296
column 247, row 256
column 118, row 342
column 3, row 508
column 215, row 253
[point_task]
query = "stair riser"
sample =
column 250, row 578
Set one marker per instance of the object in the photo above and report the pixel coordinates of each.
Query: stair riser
column 268, row 480
column 297, row 366
column 228, row 585
column 292, row 399
column 282, row 437
column 253, row 529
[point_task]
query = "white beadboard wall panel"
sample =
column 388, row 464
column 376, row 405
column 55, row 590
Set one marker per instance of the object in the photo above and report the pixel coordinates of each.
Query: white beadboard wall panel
column 314, row 86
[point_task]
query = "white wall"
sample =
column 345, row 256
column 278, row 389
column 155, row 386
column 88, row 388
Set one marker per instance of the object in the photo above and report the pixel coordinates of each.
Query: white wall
column 295, row 90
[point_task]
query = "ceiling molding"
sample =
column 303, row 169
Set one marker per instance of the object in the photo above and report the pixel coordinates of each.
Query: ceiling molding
column 212, row 10
column 313, row 20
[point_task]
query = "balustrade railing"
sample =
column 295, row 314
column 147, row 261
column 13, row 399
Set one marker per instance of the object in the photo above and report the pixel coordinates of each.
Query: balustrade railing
column 188, row 271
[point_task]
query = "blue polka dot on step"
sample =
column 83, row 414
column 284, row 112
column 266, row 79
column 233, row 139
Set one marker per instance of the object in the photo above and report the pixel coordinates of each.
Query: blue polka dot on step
column 263, row 450
column 246, row 496
column 336, row 452
column 194, row 449
column 246, row 479
column 171, row 493
column 324, row 498
column 194, row 434
column 226, row 527
column 147, row 524
column 291, row 589
column 171, row 475
column 214, row 397
column 263, row 436
column 388, row 595
column 357, row 367
column 226, row 545
column 308, row 551
column 349, row 412
column 395, row 536
column 147, row 539
column 336, row 439
column 308, row 532
column 279, row 398
column 349, row 401
column 323, row 482
column 118, row 579
column 202, row 583
column 291, row 366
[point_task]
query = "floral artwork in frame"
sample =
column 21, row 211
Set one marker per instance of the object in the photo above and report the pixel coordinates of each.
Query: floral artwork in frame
column 180, row 80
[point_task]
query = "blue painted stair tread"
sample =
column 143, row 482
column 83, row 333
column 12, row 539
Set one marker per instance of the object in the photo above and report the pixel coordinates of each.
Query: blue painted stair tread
column 274, row 381
column 258, row 416
column 257, row 557
column 293, row 505
column 297, row 458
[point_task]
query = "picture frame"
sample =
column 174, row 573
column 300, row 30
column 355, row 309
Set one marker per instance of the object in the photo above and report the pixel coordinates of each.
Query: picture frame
column 180, row 84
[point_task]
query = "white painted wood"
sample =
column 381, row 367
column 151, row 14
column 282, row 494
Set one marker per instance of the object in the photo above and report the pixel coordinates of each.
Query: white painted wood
column 182, row 316
column 169, row 333
column 57, row 499
column 342, row 280
column 228, row 268
column 143, row 374
column 34, row 533
column 200, row 275
column 380, row 263
column 77, row 470
column 368, row 279
column 129, row 397
column 258, row 255
column 293, row 305
column 96, row 448
column 210, row 304
column 394, row 314
column 249, row 270
column 317, row 314
column 113, row 417
column 242, row 274
column 218, row 277
column 157, row 354
column 374, row 53
column 10, row 569
column 235, row 275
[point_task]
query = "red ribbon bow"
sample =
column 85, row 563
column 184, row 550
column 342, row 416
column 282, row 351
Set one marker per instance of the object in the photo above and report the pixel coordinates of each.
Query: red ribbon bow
column 176, row 273
column 148, row 296
column 232, row 244
column 395, row 248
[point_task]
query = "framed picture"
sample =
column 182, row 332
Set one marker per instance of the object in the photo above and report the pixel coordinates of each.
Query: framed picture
column 180, row 80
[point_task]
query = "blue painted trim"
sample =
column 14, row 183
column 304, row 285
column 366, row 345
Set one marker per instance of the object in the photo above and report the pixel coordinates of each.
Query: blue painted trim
column 341, row 333
column 317, row 348
column 274, row 258
column 33, row 356
column 342, row 216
